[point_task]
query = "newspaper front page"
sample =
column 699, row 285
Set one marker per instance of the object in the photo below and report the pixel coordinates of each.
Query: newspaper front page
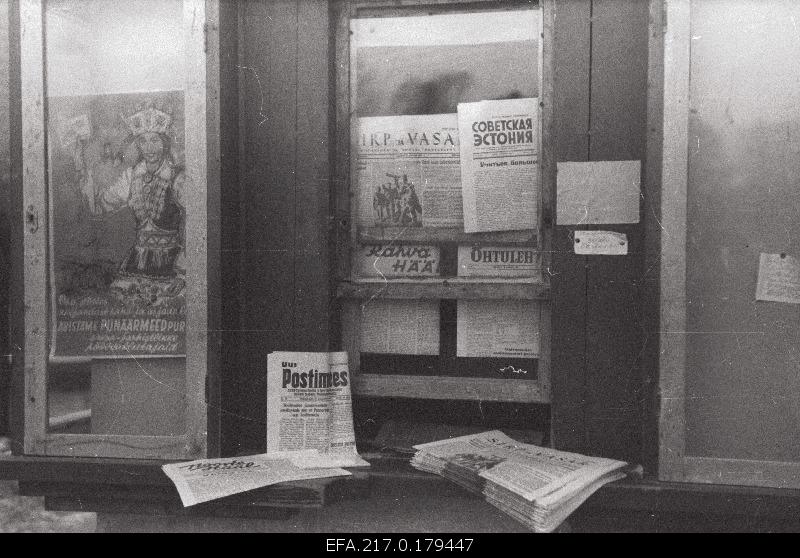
column 309, row 406
column 408, row 172
column 499, row 143
column 209, row 479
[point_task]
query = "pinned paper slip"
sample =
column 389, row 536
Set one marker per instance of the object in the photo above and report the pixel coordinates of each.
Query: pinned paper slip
column 778, row 278
column 601, row 243
column 598, row 192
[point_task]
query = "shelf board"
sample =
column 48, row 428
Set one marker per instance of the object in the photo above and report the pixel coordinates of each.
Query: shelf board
column 450, row 288
column 436, row 235
column 449, row 387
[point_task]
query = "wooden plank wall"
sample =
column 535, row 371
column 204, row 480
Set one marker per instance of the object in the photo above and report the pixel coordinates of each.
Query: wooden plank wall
column 5, row 181
column 283, row 201
column 597, row 403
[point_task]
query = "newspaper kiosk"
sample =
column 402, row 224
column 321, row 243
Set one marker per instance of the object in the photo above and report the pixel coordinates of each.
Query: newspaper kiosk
column 190, row 185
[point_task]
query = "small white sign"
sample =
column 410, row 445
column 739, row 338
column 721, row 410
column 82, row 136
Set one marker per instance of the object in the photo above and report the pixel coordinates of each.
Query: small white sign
column 601, row 243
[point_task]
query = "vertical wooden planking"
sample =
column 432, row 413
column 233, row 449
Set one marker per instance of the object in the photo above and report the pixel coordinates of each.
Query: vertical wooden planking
column 312, row 204
column 614, row 331
column 34, row 222
column 16, row 292
column 197, row 158
column 268, row 66
column 5, row 204
column 651, row 211
column 567, row 274
column 674, row 177
column 214, row 229
column 223, row 382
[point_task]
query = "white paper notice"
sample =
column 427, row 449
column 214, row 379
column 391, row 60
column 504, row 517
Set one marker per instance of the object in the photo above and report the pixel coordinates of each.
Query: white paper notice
column 398, row 260
column 408, row 172
column 499, row 261
column 209, row 479
column 403, row 327
column 500, row 164
column 778, row 278
column 490, row 328
column 309, row 407
column 604, row 243
column 598, row 192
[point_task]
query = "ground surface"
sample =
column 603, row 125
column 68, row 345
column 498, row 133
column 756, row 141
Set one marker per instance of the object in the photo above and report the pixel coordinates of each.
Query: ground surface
column 20, row 514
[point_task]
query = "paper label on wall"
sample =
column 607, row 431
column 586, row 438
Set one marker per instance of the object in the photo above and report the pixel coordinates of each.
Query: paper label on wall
column 605, row 243
column 778, row 278
column 498, row 261
column 491, row 328
column 398, row 260
column 500, row 164
column 408, row 172
column 404, row 327
column 598, row 192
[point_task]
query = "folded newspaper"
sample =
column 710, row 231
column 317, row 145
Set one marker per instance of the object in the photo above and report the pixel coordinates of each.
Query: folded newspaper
column 539, row 487
column 209, row 479
column 309, row 407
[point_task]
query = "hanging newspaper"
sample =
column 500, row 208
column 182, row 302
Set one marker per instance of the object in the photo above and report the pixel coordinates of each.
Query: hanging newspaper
column 497, row 328
column 499, row 261
column 309, row 406
column 499, row 164
column 408, row 172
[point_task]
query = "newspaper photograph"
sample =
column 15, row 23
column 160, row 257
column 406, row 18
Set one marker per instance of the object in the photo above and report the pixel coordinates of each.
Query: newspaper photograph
column 500, row 164
column 309, row 407
column 497, row 328
column 209, row 479
column 407, row 171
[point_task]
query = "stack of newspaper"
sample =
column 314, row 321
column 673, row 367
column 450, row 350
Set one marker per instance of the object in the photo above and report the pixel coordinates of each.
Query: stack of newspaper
column 538, row 486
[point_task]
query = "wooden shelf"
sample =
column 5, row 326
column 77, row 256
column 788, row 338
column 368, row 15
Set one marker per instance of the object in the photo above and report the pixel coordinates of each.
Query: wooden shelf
column 449, row 388
column 451, row 288
column 437, row 235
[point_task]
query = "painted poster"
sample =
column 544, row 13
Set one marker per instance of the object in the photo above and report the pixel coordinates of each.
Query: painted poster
column 408, row 171
column 117, row 225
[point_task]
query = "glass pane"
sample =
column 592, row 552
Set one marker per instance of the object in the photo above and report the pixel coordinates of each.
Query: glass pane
column 115, row 74
column 408, row 75
column 742, row 385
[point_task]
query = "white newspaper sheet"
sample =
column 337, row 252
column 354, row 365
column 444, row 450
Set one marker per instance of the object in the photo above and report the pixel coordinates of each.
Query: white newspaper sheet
column 407, row 171
column 500, row 164
column 309, row 407
column 208, row 479
column 402, row 327
column 778, row 278
column 494, row 328
column 499, row 261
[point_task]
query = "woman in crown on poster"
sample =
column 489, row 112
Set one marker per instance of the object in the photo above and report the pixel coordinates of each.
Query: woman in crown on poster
column 153, row 188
